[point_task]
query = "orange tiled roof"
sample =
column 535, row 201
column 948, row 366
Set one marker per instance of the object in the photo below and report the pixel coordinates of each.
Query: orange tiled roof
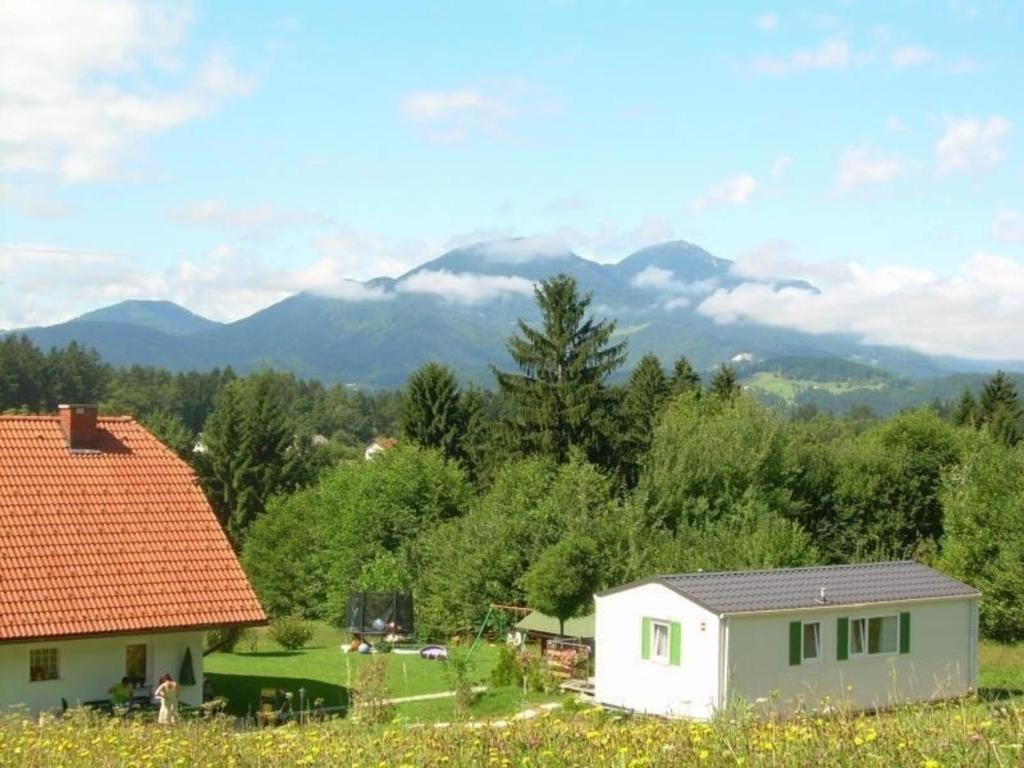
column 117, row 540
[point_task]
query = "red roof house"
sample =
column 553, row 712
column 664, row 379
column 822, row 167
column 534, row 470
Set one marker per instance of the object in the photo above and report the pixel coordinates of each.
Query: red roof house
column 112, row 563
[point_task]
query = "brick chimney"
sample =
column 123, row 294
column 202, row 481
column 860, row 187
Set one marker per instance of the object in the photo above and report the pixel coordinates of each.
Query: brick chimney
column 79, row 424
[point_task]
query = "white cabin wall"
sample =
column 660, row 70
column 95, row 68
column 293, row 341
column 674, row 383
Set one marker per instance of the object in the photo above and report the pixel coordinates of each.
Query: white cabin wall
column 89, row 667
column 626, row 680
column 942, row 661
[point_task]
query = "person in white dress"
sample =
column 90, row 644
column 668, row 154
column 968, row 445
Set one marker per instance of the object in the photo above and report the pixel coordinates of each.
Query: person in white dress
column 167, row 693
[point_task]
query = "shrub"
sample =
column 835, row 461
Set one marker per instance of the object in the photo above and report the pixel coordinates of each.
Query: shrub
column 509, row 670
column 370, row 692
column 458, row 668
column 291, row 632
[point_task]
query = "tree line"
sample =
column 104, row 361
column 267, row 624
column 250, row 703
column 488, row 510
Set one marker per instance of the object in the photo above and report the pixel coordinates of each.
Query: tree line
column 559, row 482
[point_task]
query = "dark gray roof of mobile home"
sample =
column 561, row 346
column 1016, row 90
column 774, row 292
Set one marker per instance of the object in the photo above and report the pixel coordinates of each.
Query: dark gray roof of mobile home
column 782, row 589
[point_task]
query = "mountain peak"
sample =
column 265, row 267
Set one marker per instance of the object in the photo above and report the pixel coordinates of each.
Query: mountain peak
column 511, row 256
column 156, row 314
column 686, row 260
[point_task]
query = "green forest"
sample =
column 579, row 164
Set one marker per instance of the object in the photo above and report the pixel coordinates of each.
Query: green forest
column 566, row 477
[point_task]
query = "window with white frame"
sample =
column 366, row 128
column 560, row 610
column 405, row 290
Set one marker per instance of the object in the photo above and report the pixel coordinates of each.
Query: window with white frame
column 42, row 664
column 812, row 641
column 659, row 641
column 874, row 635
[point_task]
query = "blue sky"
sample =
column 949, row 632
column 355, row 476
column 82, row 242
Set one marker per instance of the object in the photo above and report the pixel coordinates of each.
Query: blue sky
column 226, row 154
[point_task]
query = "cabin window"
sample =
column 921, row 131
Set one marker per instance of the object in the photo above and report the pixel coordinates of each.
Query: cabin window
column 135, row 664
column 42, row 664
column 659, row 641
column 812, row 641
column 874, row 635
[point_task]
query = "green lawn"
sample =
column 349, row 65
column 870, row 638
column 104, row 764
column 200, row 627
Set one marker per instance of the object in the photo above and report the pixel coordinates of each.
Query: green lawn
column 1002, row 670
column 325, row 672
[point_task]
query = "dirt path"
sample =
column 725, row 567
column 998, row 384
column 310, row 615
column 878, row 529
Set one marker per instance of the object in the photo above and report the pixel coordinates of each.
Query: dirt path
column 431, row 696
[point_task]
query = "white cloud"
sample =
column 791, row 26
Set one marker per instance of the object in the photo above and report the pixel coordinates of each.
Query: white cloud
column 969, row 144
column 33, row 203
column 1009, row 226
column 735, row 190
column 364, row 256
column 83, row 83
column 780, row 165
column 910, row 56
column 519, row 250
column 964, row 65
column 977, row 313
column 767, row 22
column 457, row 115
column 42, row 285
column 464, row 287
column 664, row 280
column 894, row 125
column 863, row 165
column 252, row 220
column 833, row 53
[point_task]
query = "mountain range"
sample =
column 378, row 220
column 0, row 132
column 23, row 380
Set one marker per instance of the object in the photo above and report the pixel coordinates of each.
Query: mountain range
column 459, row 309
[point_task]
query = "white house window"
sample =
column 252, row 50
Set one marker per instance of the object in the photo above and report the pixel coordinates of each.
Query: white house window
column 874, row 635
column 659, row 641
column 135, row 663
column 42, row 664
column 812, row 641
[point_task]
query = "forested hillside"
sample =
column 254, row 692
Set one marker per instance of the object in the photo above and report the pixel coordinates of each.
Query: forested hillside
column 564, row 470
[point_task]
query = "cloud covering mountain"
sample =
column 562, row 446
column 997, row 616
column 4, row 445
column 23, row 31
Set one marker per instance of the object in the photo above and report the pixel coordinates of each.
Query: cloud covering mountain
column 672, row 299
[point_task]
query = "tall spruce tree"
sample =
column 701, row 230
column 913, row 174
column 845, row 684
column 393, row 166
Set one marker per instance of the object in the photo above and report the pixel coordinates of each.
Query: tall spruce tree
column 432, row 413
column 684, row 377
column 478, row 436
column 1000, row 409
column 645, row 395
column 966, row 412
column 251, row 452
column 725, row 385
column 559, row 398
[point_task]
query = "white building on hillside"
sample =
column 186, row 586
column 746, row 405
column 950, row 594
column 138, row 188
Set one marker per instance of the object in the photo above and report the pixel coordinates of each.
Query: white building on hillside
column 112, row 563
column 869, row 635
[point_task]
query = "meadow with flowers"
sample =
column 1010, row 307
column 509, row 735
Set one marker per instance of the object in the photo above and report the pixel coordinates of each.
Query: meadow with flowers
column 962, row 733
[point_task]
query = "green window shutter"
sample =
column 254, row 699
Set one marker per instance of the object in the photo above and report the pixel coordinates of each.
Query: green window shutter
column 904, row 633
column 796, row 630
column 645, row 638
column 675, row 643
column 842, row 639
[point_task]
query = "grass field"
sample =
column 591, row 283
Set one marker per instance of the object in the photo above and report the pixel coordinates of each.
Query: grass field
column 323, row 671
column 788, row 389
column 976, row 732
column 969, row 733
column 1001, row 670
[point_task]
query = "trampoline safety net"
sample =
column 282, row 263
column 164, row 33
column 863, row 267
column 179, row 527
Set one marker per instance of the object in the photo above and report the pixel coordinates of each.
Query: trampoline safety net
column 380, row 613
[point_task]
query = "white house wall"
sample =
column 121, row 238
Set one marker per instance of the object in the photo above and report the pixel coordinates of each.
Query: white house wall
column 88, row 668
column 626, row 680
column 942, row 661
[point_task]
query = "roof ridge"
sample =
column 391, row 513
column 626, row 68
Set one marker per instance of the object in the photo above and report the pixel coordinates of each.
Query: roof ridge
column 122, row 418
column 793, row 569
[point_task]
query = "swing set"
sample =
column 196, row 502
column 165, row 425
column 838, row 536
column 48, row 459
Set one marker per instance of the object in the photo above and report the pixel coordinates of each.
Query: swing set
column 497, row 617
